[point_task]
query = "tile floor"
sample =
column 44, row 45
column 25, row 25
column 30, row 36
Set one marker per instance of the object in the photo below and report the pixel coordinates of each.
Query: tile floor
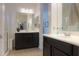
column 27, row 52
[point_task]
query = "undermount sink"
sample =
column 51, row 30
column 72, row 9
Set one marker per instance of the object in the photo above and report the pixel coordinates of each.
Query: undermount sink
column 67, row 34
column 22, row 30
column 64, row 35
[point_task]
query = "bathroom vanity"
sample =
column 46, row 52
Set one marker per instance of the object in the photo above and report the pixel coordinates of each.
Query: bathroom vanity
column 58, row 45
column 27, row 35
column 65, row 19
column 24, row 40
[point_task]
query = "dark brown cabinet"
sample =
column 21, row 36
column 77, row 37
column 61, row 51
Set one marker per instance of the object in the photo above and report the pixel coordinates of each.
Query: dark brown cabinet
column 58, row 52
column 35, row 39
column 26, row 40
column 53, row 47
column 47, row 48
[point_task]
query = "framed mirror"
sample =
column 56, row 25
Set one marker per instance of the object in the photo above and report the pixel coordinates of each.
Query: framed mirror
column 70, row 16
column 27, row 22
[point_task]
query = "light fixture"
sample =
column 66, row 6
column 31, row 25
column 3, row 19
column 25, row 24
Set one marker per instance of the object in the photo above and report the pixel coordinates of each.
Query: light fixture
column 25, row 10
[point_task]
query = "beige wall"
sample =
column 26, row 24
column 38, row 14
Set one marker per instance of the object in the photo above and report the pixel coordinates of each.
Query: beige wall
column 0, row 18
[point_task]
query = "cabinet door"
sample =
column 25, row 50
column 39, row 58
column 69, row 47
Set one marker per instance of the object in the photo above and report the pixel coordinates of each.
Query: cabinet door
column 19, row 41
column 35, row 39
column 75, row 50
column 28, row 40
column 58, row 53
column 46, row 50
column 63, row 46
column 46, row 47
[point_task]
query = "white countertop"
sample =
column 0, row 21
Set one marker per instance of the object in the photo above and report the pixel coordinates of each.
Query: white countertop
column 69, row 39
column 27, row 32
column 23, row 31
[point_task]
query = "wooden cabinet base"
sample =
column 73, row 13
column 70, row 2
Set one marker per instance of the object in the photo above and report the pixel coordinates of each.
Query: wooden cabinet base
column 53, row 47
column 26, row 40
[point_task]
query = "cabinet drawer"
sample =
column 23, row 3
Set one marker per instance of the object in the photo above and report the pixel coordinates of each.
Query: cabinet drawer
column 48, row 40
column 65, row 47
column 61, row 42
column 19, row 36
column 35, row 34
column 27, row 34
column 58, row 53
